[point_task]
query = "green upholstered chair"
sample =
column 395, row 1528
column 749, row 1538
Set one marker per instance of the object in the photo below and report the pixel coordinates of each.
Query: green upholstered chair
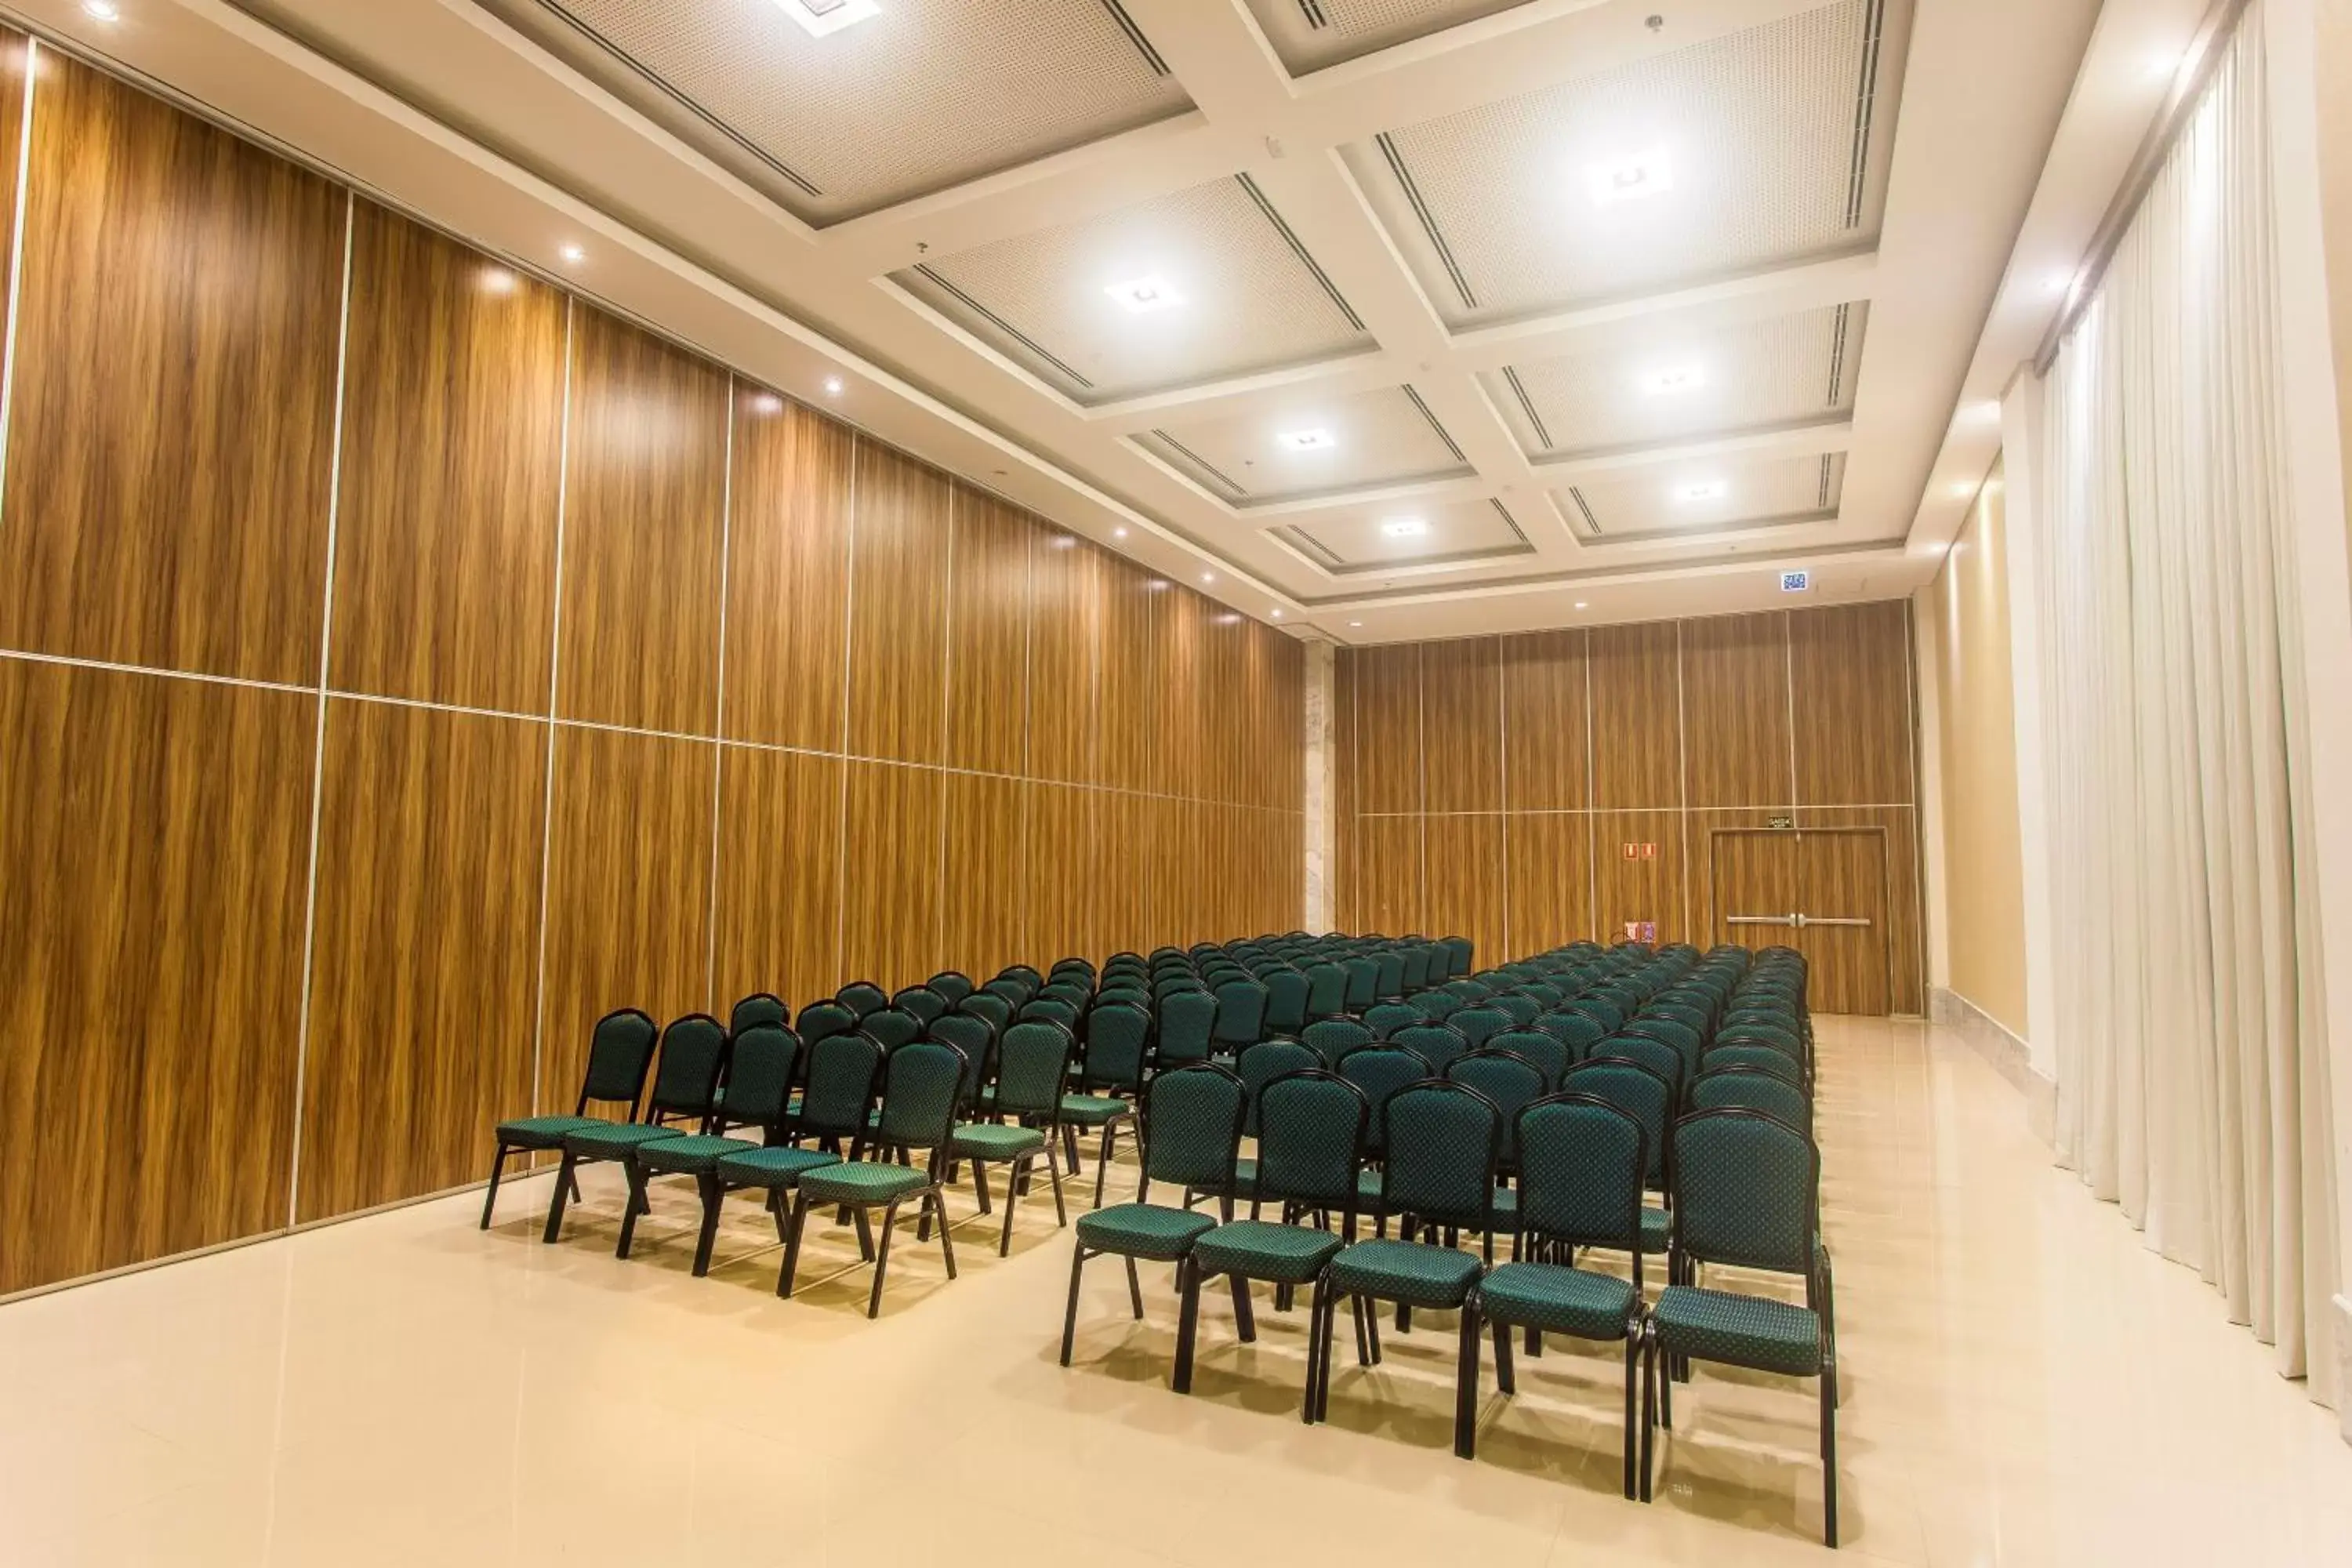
column 981, row 1005
column 760, row 1067
column 1332, row 1038
column 1311, row 1125
column 1068, row 990
column 1011, row 989
column 1642, row 1092
column 1477, row 1025
column 1550, row 1055
column 1380, row 1070
column 1601, row 1010
column 834, row 1117
column 1188, row 1021
column 1072, row 969
column 893, row 1027
column 819, row 1019
column 1763, row 1058
column 1385, row 1018
column 1033, row 1064
column 1326, row 990
column 1192, row 1138
column 1656, row 1054
column 1510, row 1081
column 972, row 1035
column 1682, row 1008
column 620, row 1054
column 1390, row 964
column 1746, row 1196
column 921, row 1001
column 921, row 1082
column 1435, row 1043
column 1240, row 1022
column 685, row 1088
column 1545, row 995
column 1578, row 1032
column 952, row 985
column 1439, row 1171
column 1260, row 1065
column 1420, row 958
column 1285, row 1001
column 862, row 997
column 1436, row 1007
column 1021, row 974
column 1110, row 1083
column 1460, row 954
column 1363, row 982
column 1724, row 1088
column 1522, row 1008
column 1580, row 1162
column 1669, row 1032
column 759, row 1007
column 1052, row 1009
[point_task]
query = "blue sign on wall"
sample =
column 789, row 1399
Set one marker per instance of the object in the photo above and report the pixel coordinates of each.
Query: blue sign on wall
column 1795, row 582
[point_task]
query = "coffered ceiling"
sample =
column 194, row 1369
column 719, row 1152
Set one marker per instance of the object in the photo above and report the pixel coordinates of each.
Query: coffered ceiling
column 1401, row 318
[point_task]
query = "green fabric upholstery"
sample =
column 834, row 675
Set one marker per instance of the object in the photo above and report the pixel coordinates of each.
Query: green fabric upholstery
column 1657, row 1228
column 1379, row 1071
column 1283, row 1254
column 1311, row 1131
column 1745, row 1186
column 862, row 997
column 693, row 1055
column 839, row 1095
column 772, row 1168
column 758, row 1008
column 759, row 1075
column 692, row 1155
column 1407, row 1271
column 923, row 1085
column 1581, row 1168
column 1187, row 1021
column 1118, row 1038
column 1034, row 1062
column 544, row 1131
column 864, row 1182
column 1738, row 1330
column 821, row 1019
column 1441, row 1141
column 620, row 1049
column 1148, row 1231
column 1560, row 1300
column 612, row 1140
column 994, row 1141
column 1332, row 1038
column 1094, row 1109
column 1192, row 1129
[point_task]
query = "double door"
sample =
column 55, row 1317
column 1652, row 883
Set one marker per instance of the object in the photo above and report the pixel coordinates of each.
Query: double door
column 1822, row 891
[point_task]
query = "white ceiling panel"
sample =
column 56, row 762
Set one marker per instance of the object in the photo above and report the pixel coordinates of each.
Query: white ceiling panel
column 906, row 98
column 1310, row 444
column 1678, row 385
column 1698, row 496
column 1203, row 284
column 1760, row 148
column 1311, row 34
column 1369, row 540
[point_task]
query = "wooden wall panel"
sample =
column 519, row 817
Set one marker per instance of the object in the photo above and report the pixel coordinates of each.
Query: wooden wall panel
column 780, row 834
column 1636, row 717
column 1463, row 856
column 1907, row 937
column 988, row 635
column 1346, row 792
column 1735, row 710
column 1122, row 850
column 897, row 620
column 1852, row 681
column 1462, row 723
column 1066, row 647
column 1059, row 878
column 1647, row 888
column 1391, row 900
column 1390, row 737
column 153, row 841
column 452, row 473
column 983, row 921
column 1706, row 852
column 890, row 874
column 1546, row 692
column 644, row 521
column 1168, row 871
column 628, row 890
column 1225, row 742
column 171, row 428
column 1134, row 627
column 788, row 575
column 1179, row 767
column 1286, row 711
column 425, row 961
column 1548, row 877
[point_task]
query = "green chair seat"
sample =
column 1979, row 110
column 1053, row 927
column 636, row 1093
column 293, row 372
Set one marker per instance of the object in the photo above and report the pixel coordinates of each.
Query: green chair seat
column 1563, row 1300
column 773, row 1168
column 1406, row 1271
column 1143, row 1230
column 994, row 1141
column 612, row 1139
column 862, row 1183
column 544, row 1131
column 1094, row 1109
column 1738, row 1330
column 693, row 1155
column 1283, row 1254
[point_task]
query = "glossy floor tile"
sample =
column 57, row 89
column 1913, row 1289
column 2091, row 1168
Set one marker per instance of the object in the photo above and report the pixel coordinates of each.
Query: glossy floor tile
column 2024, row 1383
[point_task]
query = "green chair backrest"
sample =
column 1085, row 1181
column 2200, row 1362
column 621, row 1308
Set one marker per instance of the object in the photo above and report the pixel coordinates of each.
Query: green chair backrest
column 1379, row 1071
column 1440, row 1143
column 1066, row 987
column 759, row 1007
column 893, row 1027
column 1326, row 990
column 1192, row 1130
column 1656, row 1054
column 1032, row 1063
column 1637, row 1090
column 1581, row 1164
column 976, row 1038
column 1754, row 1032
column 1313, row 1126
column 1332, row 1038
column 1418, row 961
column 1764, row 1059
column 1389, row 963
column 862, row 997
column 1261, row 1064
column 1363, row 982
column 1545, row 995
column 985, row 1004
column 921, row 1001
column 952, row 984
column 1477, row 1025
column 693, row 1055
column 1024, row 974
column 819, row 1019
column 1459, row 954
column 921, row 1094
column 620, row 1053
column 1012, row 990
column 1549, row 1054
column 843, row 1073
column 1437, row 1043
column 1578, row 1032
column 1509, row 1082
column 1725, row 1087
column 1053, row 1009
column 760, row 1076
column 1386, row 1018
column 1241, row 1013
column 1437, row 1005
column 1119, row 1035
column 1187, row 1023
column 1745, row 1191
column 1285, row 1001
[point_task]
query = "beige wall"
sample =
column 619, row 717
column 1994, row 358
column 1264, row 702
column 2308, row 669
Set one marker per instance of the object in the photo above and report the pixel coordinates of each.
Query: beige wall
column 1984, row 871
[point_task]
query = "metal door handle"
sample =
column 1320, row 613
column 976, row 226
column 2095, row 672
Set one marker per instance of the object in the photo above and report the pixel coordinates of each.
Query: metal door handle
column 1763, row 920
column 1831, row 920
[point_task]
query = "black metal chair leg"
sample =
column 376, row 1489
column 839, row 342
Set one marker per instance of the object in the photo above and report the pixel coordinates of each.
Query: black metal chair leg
column 980, row 1185
column 793, row 1246
column 498, row 1168
column 1649, row 1410
column 635, row 1204
column 882, row 1257
column 1506, row 1377
column 1054, row 1175
column 1134, row 1288
column 1829, row 1454
column 1315, row 1351
column 1245, row 1320
column 1535, row 1341
column 1070, row 1314
column 1188, row 1323
column 1372, row 1327
column 1632, row 1355
column 781, row 1210
column 947, row 1243
column 1102, row 1165
column 713, row 1195
column 1466, row 1388
column 563, row 1186
column 865, row 1225
column 1012, row 1186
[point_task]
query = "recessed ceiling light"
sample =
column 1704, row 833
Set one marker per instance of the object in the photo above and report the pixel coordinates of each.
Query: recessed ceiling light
column 833, row 387
column 1120, row 532
column 102, row 10
column 497, row 280
column 1681, row 378
column 1404, row 528
column 1355, row 622
column 1306, row 440
column 1702, row 489
column 767, row 402
column 1964, row 490
column 573, row 253
column 1582, row 605
column 1650, row 173
column 1278, row 611
column 1208, row 576
column 821, row 16
column 1147, row 293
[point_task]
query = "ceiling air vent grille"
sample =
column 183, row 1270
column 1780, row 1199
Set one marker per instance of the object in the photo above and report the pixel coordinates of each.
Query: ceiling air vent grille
column 1313, row 12
column 1865, row 101
column 1135, row 35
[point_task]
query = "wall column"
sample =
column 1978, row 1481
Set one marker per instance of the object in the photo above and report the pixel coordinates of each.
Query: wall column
column 1317, row 799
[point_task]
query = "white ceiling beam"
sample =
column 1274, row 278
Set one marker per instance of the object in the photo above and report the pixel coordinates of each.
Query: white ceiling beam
column 1794, row 441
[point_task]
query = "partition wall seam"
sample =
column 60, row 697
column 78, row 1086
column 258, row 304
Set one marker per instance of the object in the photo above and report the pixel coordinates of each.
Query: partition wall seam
column 1682, row 768
column 318, row 731
column 1591, row 798
column 554, row 676
column 849, row 684
column 719, row 713
column 1788, row 649
column 947, row 716
column 16, row 261
column 1503, row 783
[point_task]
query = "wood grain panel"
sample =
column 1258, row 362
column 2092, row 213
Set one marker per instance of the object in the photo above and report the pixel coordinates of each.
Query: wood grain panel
column 1907, row 938
column 643, row 525
column 452, row 468
column 424, row 953
column 628, row 890
column 172, row 433
column 1286, row 711
column 1170, row 871
column 788, row 575
column 1648, row 888
column 1547, row 766
column 1133, row 627
column 15, row 63
column 1389, row 744
column 1636, row 717
column 1180, row 767
column 1465, row 860
column 981, row 913
column 1346, row 792
column 1123, row 910
column 1224, row 741
column 1852, row 678
column 1065, row 649
column 779, row 832
column 1462, row 722
column 1724, row 864
column 1392, row 900
column 1735, row 710
column 890, row 874
column 898, row 695
column 988, row 635
column 153, row 841
column 1058, row 875
column 1548, row 876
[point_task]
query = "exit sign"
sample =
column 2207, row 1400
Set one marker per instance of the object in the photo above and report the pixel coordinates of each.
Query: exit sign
column 1796, row 582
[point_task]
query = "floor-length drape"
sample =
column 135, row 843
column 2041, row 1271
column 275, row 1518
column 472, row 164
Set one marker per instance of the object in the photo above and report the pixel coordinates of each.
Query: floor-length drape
column 2191, row 1049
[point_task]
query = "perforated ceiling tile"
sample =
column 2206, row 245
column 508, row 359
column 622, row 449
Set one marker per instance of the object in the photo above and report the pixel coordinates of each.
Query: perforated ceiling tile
column 1758, row 148
column 1704, row 497
column 1311, row 34
column 1371, row 538
column 1681, row 385
column 918, row 96
column 1312, row 445
column 1197, row 286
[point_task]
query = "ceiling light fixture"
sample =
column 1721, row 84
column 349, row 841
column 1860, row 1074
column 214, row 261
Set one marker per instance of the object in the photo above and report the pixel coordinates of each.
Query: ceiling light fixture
column 1682, row 378
column 1306, row 440
column 1964, row 490
column 833, row 387
column 1146, row 293
column 1278, row 611
column 1582, row 605
column 572, row 254
column 1355, row 622
column 1120, row 532
column 1208, row 576
column 1652, row 174
column 1703, row 489
column 819, row 17
column 102, row 10
column 497, row 280
column 767, row 402
column 1404, row 528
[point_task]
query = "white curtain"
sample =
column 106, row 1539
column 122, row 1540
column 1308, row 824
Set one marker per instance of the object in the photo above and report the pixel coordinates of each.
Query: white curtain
column 2192, row 1059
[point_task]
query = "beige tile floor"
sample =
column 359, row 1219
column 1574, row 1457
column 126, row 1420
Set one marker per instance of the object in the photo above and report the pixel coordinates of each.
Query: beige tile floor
column 2025, row 1385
